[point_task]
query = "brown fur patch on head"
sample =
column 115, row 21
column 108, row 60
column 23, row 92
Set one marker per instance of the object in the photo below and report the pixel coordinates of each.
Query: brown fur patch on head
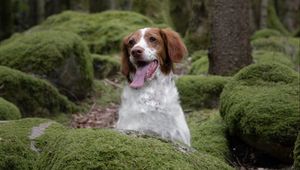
column 126, row 65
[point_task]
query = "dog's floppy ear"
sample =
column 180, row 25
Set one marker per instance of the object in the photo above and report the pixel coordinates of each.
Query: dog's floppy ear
column 126, row 66
column 176, row 49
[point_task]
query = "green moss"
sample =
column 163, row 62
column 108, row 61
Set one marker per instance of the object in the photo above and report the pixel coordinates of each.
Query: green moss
column 269, row 57
column 200, row 91
column 273, row 21
column 297, row 153
column 8, row 111
column 105, row 66
column 107, row 149
column 209, row 133
column 157, row 10
column 261, row 105
column 60, row 57
column 15, row 145
column 102, row 32
column 33, row 96
column 199, row 63
column 286, row 45
column 265, row 33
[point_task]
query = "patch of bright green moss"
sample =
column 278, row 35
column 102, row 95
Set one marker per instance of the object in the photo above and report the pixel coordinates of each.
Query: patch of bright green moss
column 265, row 33
column 8, row 111
column 15, row 145
column 208, row 133
column 60, row 57
column 108, row 149
column 261, row 105
column 199, row 63
column 105, row 66
column 103, row 32
column 200, row 91
column 297, row 153
column 269, row 57
column 33, row 96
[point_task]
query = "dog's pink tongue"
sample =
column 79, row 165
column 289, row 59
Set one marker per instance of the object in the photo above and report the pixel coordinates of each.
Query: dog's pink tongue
column 139, row 77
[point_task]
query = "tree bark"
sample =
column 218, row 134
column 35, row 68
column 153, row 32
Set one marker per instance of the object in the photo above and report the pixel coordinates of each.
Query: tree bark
column 6, row 19
column 263, row 14
column 100, row 5
column 230, row 48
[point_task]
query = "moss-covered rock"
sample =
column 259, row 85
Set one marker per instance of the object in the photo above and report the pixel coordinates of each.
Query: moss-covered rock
column 33, row 96
column 200, row 63
column 102, row 32
column 209, row 133
column 297, row 153
column 17, row 141
column 269, row 57
column 8, row 111
column 261, row 106
column 107, row 149
column 105, row 66
column 200, row 91
column 60, row 57
column 286, row 45
column 265, row 33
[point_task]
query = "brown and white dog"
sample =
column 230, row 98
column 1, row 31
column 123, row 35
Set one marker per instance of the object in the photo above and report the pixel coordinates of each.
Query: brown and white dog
column 150, row 101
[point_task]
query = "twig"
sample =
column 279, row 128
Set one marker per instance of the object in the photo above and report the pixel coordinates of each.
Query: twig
column 112, row 83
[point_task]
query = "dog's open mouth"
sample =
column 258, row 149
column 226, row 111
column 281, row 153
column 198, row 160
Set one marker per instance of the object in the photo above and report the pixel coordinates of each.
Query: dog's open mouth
column 144, row 71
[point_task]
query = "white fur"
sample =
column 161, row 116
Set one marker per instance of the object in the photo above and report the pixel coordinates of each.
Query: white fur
column 154, row 107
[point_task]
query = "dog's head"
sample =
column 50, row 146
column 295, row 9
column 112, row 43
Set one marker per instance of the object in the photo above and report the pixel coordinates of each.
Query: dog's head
column 149, row 49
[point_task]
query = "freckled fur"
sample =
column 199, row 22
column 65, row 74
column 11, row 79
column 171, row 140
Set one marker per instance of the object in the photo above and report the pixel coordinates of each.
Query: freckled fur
column 154, row 107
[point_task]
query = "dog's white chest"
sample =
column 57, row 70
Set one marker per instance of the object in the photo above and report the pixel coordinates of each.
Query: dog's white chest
column 156, row 108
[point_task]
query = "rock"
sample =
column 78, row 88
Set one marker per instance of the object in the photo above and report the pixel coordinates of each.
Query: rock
column 108, row 149
column 286, row 45
column 60, row 57
column 269, row 57
column 102, row 32
column 261, row 106
column 200, row 91
column 8, row 111
column 105, row 66
column 208, row 133
column 17, row 141
column 33, row 96
column 297, row 153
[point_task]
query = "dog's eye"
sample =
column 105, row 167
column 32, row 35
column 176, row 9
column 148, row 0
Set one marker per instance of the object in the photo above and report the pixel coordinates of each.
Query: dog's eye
column 152, row 39
column 131, row 42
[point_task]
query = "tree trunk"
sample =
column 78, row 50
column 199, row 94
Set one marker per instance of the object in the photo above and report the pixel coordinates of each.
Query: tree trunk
column 263, row 14
column 6, row 19
column 230, row 48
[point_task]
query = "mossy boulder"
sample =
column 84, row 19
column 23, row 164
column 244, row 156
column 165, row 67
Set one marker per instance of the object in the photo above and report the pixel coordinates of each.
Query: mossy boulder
column 269, row 57
column 265, row 33
column 208, row 133
column 108, row 149
column 105, row 66
column 261, row 106
column 103, row 32
column 60, row 57
column 8, row 111
column 33, row 96
column 297, row 153
column 199, row 64
column 200, row 91
column 286, row 45
column 19, row 138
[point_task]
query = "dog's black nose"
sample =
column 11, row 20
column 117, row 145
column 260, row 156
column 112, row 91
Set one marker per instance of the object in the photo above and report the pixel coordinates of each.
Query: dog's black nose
column 137, row 52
